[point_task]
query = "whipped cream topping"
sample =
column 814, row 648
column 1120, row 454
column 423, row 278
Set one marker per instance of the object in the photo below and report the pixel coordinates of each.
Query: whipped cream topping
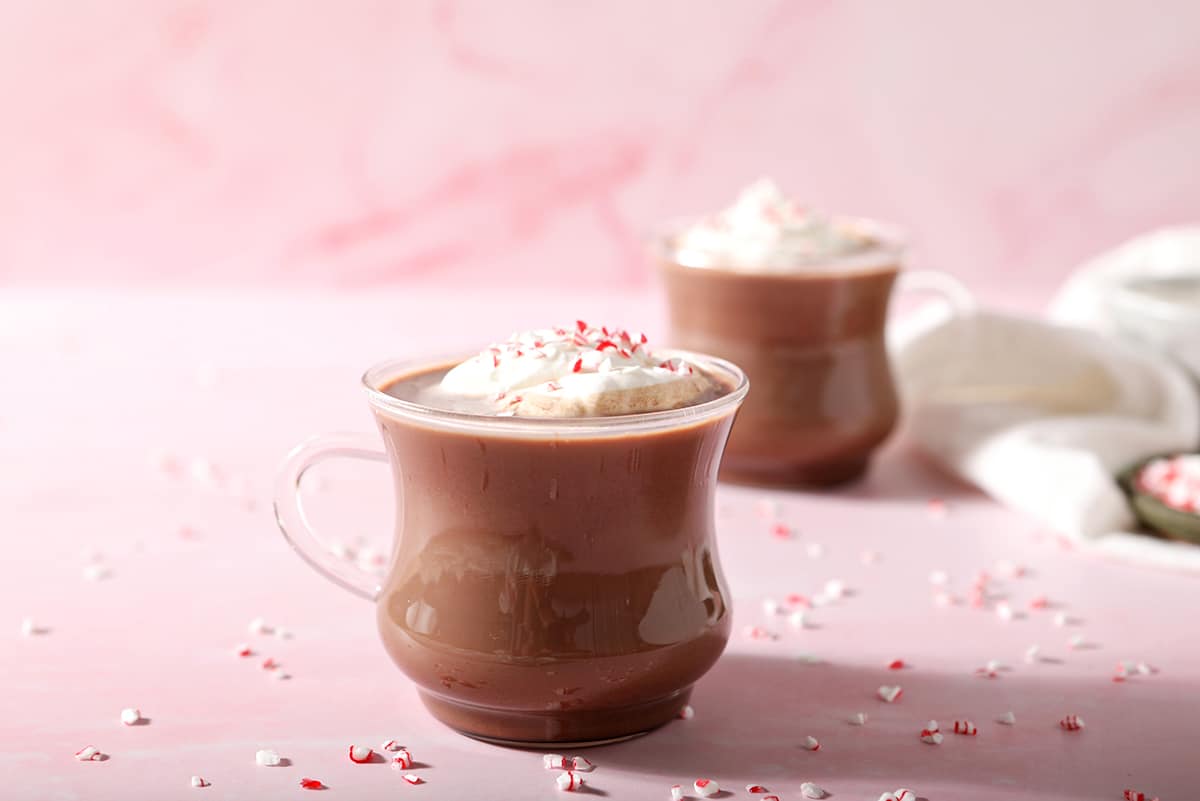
column 765, row 229
column 582, row 371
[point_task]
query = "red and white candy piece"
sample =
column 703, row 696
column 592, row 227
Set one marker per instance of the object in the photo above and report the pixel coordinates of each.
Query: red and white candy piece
column 687, row 713
column 706, row 787
column 769, row 798
column 360, row 754
column 569, row 781
column 676, row 792
column 391, row 745
column 965, row 727
column 269, row 664
column 311, row 784
column 991, row 670
column 1039, row 602
column 904, row 794
column 1136, row 795
column 89, row 753
column 402, row 759
column 412, row 778
column 200, row 781
column 258, row 626
column 889, row 693
column 555, row 762
column 1071, row 723
column 810, row 790
column 811, row 743
column 755, row 789
column 244, row 650
column 267, row 758
column 582, row 764
column 930, row 735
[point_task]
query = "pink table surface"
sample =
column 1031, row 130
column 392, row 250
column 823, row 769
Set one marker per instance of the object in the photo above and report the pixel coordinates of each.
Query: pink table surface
column 98, row 388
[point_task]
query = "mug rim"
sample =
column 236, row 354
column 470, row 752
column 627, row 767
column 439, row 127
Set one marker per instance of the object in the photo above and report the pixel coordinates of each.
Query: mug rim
column 383, row 372
column 890, row 245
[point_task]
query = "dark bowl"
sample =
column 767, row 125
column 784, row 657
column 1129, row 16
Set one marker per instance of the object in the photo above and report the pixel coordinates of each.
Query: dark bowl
column 1164, row 519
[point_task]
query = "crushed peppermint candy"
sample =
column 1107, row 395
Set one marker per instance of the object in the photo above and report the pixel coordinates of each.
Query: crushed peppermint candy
column 131, row 716
column 706, row 787
column 810, row 790
column 1008, row 719
column 687, row 713
column 858, row 719
column 931, row 735
column 267, row 758
column 312, row 784
column 889, row 693
column 755, row 789
column 360, row 754
column 811, row 743
column 412, row 778
column 402, row 759
column 1071, row 723
column 89, row 753
column 200, row 781
column 582, row 764
column 965, row 727
column 1174, row 480
column 569, row 781
column 391, row 745
column 676, row 792
column 30, row 629
column 897, row 664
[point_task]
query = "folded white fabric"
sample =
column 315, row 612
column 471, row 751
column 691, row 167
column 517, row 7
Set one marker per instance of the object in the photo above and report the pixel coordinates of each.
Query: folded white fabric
column 1042, row 415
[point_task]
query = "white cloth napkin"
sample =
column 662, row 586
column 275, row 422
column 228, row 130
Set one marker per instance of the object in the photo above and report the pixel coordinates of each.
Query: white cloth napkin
column 1041, row 415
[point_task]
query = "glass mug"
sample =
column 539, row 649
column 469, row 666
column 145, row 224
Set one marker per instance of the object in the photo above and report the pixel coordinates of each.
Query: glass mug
column 812, row 339
column 552, row 580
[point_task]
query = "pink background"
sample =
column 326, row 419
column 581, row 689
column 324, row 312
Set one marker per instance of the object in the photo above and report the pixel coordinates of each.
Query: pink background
column 362, row 143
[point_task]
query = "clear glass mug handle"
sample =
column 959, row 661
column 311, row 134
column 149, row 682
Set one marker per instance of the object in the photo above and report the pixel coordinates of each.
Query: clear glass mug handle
column 934, row 282
column 289, row 508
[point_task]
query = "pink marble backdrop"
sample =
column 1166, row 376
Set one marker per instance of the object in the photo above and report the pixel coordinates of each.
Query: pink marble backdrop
column 360, row 143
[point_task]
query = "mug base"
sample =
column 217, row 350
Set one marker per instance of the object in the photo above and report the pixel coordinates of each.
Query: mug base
column 807, row 476
column 580, row 728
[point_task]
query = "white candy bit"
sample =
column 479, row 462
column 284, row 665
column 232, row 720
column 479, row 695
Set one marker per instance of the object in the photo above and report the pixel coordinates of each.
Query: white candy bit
column 771, row 607
column 869, row 557
column 943, row 599
column 676, row 792
column 939, row 578
column 582, row 764
column 267, row 758
column 811, row 743
column 89, row 753
column 30, row 629
column 706, row 787
column 835, row 588
column 991, row 670
column 687, row 713
column 889, row 693
column 1008, row 719
column 1071, row 723
column 555, row 762
column 96, row 572
column 965, row 727
column 810, row 790
column 131, row 716
column 815, row 550
column 931, row 737
column 199, row 781
column 1061, row 619
column 798, row 619
column 1004, row 611
column 283, row 634
column 279, row 675
column 569, row 781
column 1076, row 642
column 1031, row 654
column 858, row 719
column 412, row 778
column 401, row 759
column 259, row 626
column 360, row 754
column 1146, row 669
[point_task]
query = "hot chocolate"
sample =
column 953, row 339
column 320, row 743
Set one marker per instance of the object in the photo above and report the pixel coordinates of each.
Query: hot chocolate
column 555, row 576
column 800, row 301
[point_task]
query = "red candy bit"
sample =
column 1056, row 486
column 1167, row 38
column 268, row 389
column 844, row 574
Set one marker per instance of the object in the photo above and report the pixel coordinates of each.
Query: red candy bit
column 770, row 798
column 244, row 650
column 937, row 508
column 412, row 778
column 1136, row 795
column 581, row 326
column 269, row 664
column 796, row 599
column 965, row 727
column 606, row 344
column 781, row 530
column 311, row 784
column 1071, row 723
column 756, row 789
column 896, row 664
column 1039, row 602
column 575, row 368
column 360, row 754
